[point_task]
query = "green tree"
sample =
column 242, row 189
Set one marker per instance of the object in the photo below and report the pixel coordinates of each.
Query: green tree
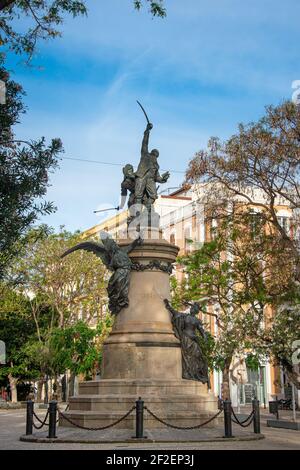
column 260, row 166
column 58, row 292
column 78, row 348
column 281, row 338
column 16, row 328
column 24, row 174
column 73, row 287
column 243, row 271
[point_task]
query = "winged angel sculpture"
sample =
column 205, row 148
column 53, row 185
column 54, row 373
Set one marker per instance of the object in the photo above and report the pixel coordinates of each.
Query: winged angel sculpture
column 116, row 259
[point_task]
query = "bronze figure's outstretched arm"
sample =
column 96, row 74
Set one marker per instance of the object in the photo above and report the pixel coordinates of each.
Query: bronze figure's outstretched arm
column 201, row 330
column 145, row 142
column 170, row 308
column 162, row 178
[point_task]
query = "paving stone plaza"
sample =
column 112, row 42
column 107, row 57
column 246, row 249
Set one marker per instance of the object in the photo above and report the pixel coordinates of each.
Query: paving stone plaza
column 13, row 426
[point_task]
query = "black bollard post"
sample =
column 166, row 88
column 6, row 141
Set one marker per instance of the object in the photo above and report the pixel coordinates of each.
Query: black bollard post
column 256, row 416
column 29, row 417
column 139, row 418
column 52, row 419
column 227, row 418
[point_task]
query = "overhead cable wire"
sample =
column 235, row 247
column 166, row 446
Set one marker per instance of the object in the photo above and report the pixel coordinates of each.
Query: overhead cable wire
column 107, row 163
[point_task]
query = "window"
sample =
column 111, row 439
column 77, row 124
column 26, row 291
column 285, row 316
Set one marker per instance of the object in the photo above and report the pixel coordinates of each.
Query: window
column 256, row 223
column 284, row 222
column 187, row 240
column 172, row 238
column 172, row 217
column 214, row 229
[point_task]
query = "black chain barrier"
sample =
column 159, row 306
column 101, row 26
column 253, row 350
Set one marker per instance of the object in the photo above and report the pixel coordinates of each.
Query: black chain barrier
column 229, row 418
column 186, row 428
column 43, row 423
column 66, row 409
column 100, row 428
column 242, row 423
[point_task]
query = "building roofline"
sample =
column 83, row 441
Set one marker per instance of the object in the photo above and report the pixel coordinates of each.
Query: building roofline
column 170, row 196
column 181, row 190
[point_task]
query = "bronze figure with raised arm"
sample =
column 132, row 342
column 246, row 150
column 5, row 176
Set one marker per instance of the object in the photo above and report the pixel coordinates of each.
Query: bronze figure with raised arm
column 147, row 174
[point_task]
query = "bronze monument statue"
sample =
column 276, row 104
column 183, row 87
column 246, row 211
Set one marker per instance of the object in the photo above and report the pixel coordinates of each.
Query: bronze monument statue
column 186, row 326
column 152, row 348
column 116, row 259
column 147, row 174
column 141, row 184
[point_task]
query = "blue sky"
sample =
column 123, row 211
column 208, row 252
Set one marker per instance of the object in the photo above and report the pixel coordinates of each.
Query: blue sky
column 208, row 66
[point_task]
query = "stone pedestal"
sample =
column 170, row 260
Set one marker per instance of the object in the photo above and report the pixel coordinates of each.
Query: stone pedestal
column 142, row 344
column 142, row 356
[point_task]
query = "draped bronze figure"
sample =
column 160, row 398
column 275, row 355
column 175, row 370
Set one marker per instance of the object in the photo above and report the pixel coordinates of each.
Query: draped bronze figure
column 186, row 326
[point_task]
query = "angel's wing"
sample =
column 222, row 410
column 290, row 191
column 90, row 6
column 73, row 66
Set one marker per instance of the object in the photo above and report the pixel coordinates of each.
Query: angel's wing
column 94, row 247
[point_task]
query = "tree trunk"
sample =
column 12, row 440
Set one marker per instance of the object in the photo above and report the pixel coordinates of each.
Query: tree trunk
column 57, row 389
column 46, row 382
column 72, row 385
column 64, row 387
column 225, row 383
column 13, row 388
column 39, row 390
column 95, row 370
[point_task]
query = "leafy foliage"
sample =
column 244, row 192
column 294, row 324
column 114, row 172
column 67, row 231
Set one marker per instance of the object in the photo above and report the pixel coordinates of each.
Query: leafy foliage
column 259, row 166
column 78, row 347
column 282, row 335
column 44, row 18
column 243, row 271
column 156, row 8
column 73, row 287
column 16, row 328
column 60, row 307
column 24, row 174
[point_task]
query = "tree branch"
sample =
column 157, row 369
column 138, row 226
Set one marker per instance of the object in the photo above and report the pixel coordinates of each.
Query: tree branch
column 37, row 19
